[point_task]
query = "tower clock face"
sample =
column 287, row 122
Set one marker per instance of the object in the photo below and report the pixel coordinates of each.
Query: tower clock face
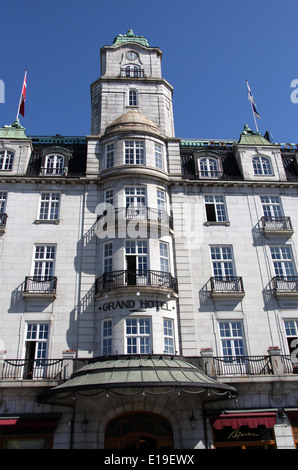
column 131, row 55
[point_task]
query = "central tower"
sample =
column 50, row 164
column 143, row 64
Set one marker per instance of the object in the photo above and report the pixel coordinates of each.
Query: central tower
column 132, row 124
column 131, row 79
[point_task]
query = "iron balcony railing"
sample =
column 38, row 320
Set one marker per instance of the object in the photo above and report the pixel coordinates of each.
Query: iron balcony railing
column 53, row 171
column 3, row 218
column 210, row 174
column 276, row 223
column 242, row 365
column 28, row 369
column 226, row 284
column 139, row 278
column 132, row 72
column 285, row 284
column 139, row 213
column 40, row 284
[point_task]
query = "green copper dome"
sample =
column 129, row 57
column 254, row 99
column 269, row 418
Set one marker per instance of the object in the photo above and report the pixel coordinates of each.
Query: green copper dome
column 130, row 37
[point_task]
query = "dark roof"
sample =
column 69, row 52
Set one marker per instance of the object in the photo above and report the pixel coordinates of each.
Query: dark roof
column 77, row 146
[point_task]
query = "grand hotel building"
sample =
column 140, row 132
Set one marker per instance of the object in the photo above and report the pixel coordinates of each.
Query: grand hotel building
column 148, row 283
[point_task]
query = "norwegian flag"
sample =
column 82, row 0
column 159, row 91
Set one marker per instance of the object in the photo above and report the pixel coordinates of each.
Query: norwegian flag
column 23, row 97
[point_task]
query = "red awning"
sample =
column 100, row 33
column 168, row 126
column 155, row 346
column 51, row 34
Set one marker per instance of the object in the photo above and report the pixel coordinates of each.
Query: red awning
column 8, row 422
column 252, row 420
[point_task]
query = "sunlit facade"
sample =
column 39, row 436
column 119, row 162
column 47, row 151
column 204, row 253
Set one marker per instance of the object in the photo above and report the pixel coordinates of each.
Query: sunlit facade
column 148, row 282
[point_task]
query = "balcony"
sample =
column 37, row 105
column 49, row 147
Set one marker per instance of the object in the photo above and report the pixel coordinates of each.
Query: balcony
column 276, row 226
column 3, row 219
column 140, row 279
column 229, row 287
column 285, row 286
column 141, row 213
column 40, row 287
column 53, row 171
column 132, row 72
column 27, row 369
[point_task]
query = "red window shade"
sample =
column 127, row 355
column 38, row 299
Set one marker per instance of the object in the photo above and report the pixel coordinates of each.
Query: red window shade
column 236, row 420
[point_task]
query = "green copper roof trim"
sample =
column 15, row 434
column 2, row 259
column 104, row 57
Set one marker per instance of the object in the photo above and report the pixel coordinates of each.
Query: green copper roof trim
column 249, row 137
column 59, row 139
column 130, row 37
column 14, row 131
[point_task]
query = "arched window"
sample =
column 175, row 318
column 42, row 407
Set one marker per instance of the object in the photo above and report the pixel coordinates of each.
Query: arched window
column 6, row 160
column 133, row 98
column 132, row 71
column 209, row 167
column 262, row 165
column 54, row 165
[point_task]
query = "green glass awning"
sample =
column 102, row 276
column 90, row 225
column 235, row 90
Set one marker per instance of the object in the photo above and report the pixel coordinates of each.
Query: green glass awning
column 141, row 372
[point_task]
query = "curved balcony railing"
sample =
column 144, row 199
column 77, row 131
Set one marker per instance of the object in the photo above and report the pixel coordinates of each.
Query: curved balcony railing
column 144, row 213
column 40, row 284
column 138, row 278
column 285, row 284
column 276, row 224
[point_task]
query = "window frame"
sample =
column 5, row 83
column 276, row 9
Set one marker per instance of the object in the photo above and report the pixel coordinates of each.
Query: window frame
column 261, row 164
column 133, row 98
column 3, row 201
column 51, row 205
column 164, row 256
column 271, row 208
column 6, row 164
column 59, row 164
column 158, row 155
column 229, row 270
column 134, row 152
column 231, row 339
column 284, row 262
column 52, row 248
column 168, row 338
column 213, row 168
column 136, row 344
column 107, row 350
column 109, row 155
column 219, row 209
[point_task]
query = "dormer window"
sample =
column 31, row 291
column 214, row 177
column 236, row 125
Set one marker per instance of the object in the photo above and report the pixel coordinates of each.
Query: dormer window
column 6, row 160
column 55, row 161
column 132, row 98
column 54, row 165
column 209, row 167
column 262, row 165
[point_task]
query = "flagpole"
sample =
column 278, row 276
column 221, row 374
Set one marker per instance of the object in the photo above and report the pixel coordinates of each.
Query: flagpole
column 21, row 96
column 254, row 117
column 252, row 103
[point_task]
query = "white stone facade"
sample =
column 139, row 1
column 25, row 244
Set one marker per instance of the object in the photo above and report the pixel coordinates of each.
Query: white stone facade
column 146, row 279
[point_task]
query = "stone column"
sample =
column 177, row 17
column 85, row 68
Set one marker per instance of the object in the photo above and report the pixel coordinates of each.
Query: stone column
column 68, row 363
column 208, row 364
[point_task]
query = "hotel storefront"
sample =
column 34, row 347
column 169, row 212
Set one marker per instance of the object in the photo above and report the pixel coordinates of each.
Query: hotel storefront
column 244, row 430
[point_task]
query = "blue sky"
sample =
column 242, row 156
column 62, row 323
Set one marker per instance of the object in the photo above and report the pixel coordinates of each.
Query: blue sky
column 210, row 48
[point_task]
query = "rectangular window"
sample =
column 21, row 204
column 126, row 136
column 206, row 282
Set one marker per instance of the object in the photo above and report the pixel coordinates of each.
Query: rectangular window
column 222, row 261
column 158, row 156
column 215, row 208
column 36, row 349
column 109, row 155
column 6, row 160
column 3, row 198
column 231, row 337
column 136, row 254
column 49, row 206
column 135, row 201
column 134, row 152
column 108, row 257
column 138, row 335
column 164, row 256
column 109, row 196
column 271, row 206
column 282, row 261
column 168, row 331
column 107, row 337
column 44, row 259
